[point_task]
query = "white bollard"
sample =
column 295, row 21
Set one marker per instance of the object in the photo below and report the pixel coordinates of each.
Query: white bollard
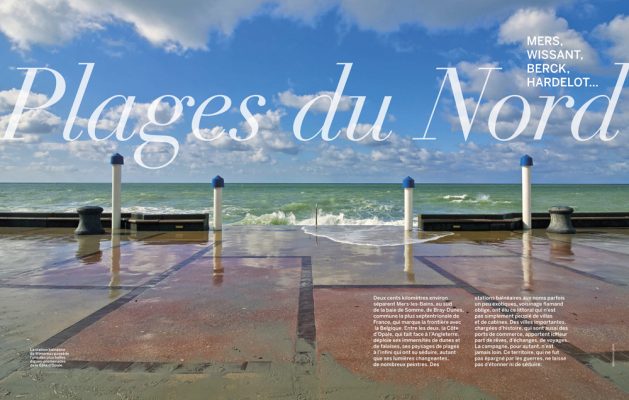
column 526, row 162
column 408, row 184
column 116, row 190
column 218, row 184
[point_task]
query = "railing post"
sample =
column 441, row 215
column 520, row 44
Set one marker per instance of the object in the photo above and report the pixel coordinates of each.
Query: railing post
column 116, row 190
column 408, row 184
column 218, row 184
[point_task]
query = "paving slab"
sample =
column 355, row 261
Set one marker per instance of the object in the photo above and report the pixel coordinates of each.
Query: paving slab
column 247, row 312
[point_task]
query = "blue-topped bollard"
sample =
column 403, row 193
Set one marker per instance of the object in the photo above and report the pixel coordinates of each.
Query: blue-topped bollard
column 408, row 184
column 526, row 162
column 116, row 190
column 218, row 184
column 89, row 221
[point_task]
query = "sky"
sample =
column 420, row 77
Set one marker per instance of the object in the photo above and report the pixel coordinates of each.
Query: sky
column 290, row 52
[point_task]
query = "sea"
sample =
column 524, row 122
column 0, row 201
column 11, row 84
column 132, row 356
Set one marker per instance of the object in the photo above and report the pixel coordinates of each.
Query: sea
column 295, row 204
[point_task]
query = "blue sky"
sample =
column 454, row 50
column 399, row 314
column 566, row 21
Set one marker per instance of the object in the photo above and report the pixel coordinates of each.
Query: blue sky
column 287, row 51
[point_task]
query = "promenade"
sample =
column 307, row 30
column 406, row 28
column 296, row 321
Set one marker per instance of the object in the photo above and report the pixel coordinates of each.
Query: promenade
column 275, row 313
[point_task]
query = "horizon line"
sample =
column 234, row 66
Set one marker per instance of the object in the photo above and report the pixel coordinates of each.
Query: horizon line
column 326, row 183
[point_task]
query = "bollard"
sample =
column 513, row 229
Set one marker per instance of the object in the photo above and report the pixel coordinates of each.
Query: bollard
column 526, row 162
column 116, row 189
column 218, row 184
column 89, row 221
column 408, row 184
column 560, row 221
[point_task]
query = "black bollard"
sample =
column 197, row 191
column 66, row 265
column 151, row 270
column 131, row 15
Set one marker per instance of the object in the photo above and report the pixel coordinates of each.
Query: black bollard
column 89, row 221
column 560, row 221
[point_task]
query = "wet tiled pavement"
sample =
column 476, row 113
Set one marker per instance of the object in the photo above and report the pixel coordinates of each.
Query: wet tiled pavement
column 270, row 312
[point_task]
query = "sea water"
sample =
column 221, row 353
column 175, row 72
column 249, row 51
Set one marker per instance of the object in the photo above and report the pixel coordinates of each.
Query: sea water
column 294, row 204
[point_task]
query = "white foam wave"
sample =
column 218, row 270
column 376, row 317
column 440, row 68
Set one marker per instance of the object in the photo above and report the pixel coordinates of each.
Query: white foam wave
column 455, row 197
column 340, row 219
column 274, row 218
column 482, row 198
column 282, row 218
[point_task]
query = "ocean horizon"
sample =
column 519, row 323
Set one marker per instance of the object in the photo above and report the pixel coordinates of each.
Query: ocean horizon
column 295, row 203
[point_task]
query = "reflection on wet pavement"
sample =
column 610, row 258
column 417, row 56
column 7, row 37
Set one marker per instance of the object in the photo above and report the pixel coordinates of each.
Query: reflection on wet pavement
column 277, row 313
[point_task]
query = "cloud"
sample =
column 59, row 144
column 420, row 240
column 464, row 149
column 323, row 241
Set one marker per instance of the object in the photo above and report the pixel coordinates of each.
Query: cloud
column 172, row 25
column 620, row 167
column 271, row 134
column 501, row 82
column 362, row 130
column 48, row 169
column 270, row 141
column 32, row 122
column 110, row 118
column 389, row 16
column 532, row 21
column 405, row 153
column 175, row 26
column 220, row 140
column 395, row 155
column 188, row 24
column 617, row 32
column 508, row 82
column 335, row 157
column 556, row 151
column 8, row 98
column 290, row 99
column 88, row 150
column 46, row 22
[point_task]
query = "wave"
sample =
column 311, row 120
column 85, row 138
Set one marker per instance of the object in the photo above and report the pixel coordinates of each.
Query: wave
column 282, row 218
column 486, row 199
column 480, row 198
column 455, row 197
column 274, row 218
column 340, row 219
